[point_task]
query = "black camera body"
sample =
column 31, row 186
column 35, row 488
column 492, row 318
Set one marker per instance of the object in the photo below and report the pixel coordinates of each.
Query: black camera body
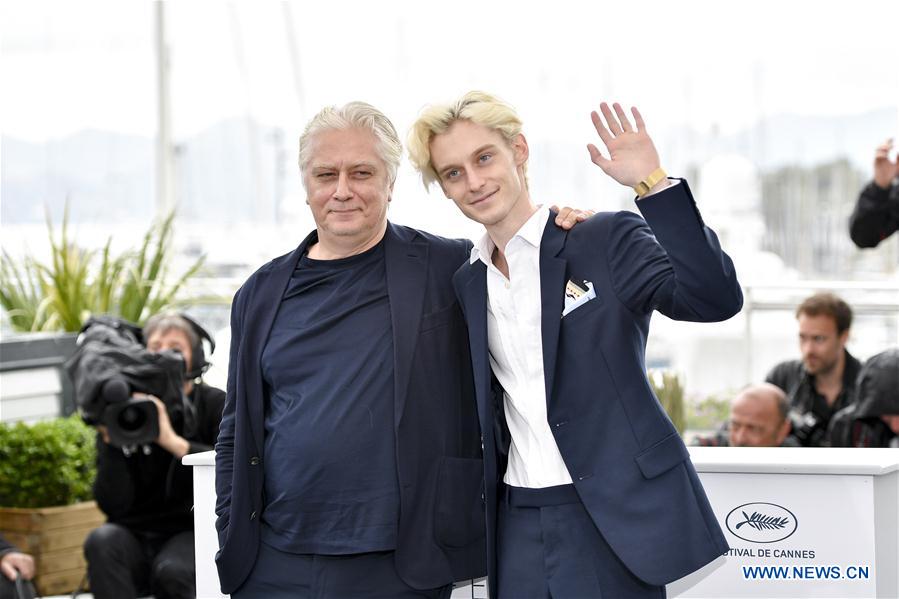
column 109, row 366
column 808, row 429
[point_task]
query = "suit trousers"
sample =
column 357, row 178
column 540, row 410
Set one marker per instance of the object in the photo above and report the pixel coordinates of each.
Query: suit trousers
column 281, row 575
column 549, row 547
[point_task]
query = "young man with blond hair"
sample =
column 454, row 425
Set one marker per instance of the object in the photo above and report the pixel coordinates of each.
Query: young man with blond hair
column 589, row 489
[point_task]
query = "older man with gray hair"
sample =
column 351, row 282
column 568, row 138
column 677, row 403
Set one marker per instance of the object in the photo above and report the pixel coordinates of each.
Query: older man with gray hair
column 349, row 459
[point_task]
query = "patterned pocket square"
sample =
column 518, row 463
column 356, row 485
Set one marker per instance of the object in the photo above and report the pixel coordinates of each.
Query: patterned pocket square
column 576, row 295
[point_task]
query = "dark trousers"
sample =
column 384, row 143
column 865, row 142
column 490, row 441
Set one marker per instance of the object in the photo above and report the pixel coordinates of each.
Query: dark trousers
column 280, row 575
column 123, row 564
column 8, row 589
column 548, row 547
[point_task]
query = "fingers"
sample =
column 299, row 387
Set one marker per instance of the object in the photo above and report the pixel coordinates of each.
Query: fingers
column 638, row 119
column 7, row 569
column 604, row 134
column 622, row 118
column 615, row 123
column 25, row 564
column 612, row 122
column 568, row 217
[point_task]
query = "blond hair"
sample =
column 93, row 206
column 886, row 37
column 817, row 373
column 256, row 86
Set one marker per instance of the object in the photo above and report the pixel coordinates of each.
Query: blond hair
column 475, row 106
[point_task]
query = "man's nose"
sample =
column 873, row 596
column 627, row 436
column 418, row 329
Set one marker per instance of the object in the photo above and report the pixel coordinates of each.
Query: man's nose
column 475, row 182
column 342, row 191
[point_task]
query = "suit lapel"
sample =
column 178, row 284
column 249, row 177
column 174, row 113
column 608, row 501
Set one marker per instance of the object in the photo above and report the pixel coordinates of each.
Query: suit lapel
column 261, row 311
column 407, row 268
column 552, row 294
column 473, row 294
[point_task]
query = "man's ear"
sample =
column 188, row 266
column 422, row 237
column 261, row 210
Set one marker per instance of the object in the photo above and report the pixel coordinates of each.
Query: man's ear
column 520, row 149
column 844, row 337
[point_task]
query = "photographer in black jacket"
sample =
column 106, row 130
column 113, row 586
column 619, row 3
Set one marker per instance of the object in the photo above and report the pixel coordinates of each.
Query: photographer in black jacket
column 147, row 543
column 876, row 213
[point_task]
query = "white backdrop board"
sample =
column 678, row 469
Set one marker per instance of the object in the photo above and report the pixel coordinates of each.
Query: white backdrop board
column 800, row 523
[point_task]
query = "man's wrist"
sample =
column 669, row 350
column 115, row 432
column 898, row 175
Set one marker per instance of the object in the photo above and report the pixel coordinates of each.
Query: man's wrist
column 654, row 181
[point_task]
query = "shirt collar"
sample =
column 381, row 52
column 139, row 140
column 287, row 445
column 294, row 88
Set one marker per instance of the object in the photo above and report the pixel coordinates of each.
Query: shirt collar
column 531, row 232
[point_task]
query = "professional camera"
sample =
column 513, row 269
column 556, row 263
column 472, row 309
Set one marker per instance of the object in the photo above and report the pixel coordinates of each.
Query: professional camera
column 808, row 429
column 111, row 364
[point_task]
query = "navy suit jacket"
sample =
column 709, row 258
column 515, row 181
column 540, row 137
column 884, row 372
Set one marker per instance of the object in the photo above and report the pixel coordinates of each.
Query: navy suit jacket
column 438, row 446
column 628, row 464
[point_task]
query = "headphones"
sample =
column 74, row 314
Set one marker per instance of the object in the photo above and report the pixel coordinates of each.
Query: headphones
column 199, row 365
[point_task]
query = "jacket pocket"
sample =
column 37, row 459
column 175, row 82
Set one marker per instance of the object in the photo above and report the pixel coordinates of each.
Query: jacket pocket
column 459, row 517
column 663, row 456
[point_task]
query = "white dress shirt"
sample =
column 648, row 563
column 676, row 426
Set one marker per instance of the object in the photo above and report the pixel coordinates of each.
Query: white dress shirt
column 515, row 341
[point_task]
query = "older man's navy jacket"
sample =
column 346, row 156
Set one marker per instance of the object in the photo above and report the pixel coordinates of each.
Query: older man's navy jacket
column 441, row 530
column 629, row 466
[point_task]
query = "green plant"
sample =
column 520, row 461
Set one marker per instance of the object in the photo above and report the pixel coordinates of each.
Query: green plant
column 46, row 464
column 708, row 414
column 668, row 388
column 62, row 294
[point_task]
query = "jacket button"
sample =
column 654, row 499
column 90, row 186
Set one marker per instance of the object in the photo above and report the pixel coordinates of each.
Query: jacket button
column 253, row 516
column 254, row 461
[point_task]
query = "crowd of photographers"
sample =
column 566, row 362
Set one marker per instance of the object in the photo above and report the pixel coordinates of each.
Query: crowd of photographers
column 826, row 398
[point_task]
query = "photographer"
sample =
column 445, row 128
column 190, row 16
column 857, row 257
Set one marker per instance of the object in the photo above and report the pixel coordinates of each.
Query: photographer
column 147, row 543
column 822, row 382
column 876, row 213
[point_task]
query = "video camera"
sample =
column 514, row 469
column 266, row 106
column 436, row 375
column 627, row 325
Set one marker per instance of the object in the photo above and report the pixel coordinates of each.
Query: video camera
column 109, row 365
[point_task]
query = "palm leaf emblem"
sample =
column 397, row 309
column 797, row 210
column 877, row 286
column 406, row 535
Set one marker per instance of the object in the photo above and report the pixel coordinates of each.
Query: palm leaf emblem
column 760, row 521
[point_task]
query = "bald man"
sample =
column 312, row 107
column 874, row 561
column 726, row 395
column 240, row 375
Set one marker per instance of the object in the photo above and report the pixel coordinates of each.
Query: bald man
column 758, row 418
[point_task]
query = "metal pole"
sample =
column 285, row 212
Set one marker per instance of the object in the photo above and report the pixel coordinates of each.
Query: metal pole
column 165, row 183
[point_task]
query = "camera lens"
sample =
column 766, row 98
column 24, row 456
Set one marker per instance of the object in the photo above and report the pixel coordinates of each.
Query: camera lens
column 131, row 418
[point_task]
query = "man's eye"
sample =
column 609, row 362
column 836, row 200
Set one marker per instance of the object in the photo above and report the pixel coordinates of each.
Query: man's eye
column 452, row 173
column 363, row 173
column 324, row 175
column 485, row 157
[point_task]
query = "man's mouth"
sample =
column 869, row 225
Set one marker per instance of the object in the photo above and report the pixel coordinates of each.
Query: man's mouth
column 482, row 198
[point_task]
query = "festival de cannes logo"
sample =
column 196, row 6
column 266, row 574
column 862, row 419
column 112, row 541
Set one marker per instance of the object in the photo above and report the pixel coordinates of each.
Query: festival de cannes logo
column 761, row 522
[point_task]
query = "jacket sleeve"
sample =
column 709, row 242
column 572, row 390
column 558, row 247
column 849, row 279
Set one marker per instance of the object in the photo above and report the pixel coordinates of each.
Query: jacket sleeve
column 671, row 262
column 876, row 215
column 5, row 546
column 224, row 447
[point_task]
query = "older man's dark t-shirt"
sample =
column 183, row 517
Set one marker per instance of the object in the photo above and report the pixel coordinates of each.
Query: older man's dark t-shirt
column 330, row 466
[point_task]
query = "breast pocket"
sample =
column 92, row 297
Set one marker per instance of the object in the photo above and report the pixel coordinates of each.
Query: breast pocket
column 590, row 307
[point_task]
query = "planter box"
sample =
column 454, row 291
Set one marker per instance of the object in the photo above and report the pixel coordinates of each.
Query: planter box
column 54, row 536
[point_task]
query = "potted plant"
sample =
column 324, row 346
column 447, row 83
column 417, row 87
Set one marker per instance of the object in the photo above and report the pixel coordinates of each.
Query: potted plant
column 62, row 294
column 670, row 392
column 46, row 474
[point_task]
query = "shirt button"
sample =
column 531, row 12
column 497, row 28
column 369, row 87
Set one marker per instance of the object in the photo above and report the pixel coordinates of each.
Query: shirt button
column 254, row 461
column 508, row 285
column 253, row 516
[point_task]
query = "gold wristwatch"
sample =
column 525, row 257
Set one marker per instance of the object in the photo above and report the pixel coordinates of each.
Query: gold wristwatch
column 643, row 187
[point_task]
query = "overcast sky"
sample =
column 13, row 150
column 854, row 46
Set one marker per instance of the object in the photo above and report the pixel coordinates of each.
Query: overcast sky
column 67, row 66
